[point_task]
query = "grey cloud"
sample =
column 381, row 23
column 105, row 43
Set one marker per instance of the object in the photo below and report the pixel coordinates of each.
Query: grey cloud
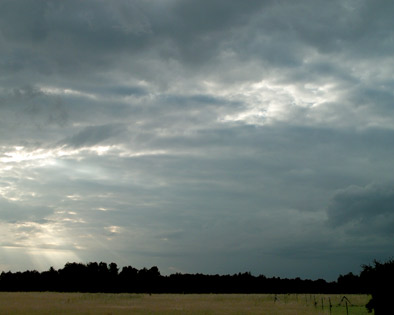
column 68, row 43
column 377, row 100
column 14, row 212
column 189, row 25
column 33, row 27
column 201, row 99
column 311, row 21
column 123, row 90
column 92, row 135
column 169, row 87
column 369, row 208
column 28, row 114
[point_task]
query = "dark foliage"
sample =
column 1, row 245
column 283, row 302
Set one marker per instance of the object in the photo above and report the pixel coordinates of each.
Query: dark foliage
column 351, row 283
column 100, row 277
column 378, row 280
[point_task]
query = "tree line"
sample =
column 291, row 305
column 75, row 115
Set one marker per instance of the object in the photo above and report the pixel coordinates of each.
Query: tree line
column 103, row 277
column 374, row 279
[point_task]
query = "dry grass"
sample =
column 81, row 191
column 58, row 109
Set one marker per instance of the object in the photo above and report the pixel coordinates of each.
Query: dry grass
column 87, row 303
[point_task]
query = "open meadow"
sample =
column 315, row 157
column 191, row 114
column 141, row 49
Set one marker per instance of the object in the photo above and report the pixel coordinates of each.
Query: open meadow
column 101, row 303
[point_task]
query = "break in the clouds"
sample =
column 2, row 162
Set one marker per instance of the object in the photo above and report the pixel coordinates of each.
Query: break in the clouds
column 198, row 136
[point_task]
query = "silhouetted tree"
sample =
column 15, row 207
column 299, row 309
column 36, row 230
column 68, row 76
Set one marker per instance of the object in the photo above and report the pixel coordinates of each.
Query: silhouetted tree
column 93, row 276
column 350, row 283
column 74, row 277
column 113, row 269
column 127, row 279
column 49, row 280
column 379, row 280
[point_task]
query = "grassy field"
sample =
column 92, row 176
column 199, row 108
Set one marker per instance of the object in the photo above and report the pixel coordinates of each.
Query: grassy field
column 88, row 303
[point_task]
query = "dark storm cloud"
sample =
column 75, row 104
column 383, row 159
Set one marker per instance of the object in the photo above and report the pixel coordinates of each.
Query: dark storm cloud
column 182, row 26
column 67, row 32
column 208, row 135
column 368, row 209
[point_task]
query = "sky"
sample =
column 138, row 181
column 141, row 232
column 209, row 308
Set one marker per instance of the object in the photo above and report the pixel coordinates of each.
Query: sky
column 209, row 136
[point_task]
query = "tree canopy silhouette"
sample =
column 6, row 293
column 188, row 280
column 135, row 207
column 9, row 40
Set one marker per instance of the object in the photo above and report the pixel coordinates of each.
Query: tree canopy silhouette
column 379, row 279
column 101, row 277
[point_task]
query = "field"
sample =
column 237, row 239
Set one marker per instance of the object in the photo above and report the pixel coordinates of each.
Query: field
column 88, row 303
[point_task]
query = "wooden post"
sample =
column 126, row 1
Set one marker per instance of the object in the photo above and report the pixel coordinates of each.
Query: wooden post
column 346, row 302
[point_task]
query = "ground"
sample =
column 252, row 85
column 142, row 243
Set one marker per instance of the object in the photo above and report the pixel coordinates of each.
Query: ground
column 87, row 303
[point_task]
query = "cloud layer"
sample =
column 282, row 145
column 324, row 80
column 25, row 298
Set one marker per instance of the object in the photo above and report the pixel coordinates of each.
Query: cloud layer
column 199, row 136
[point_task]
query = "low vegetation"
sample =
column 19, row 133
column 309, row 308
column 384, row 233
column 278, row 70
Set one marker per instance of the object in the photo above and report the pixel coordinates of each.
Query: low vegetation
column 106, row 303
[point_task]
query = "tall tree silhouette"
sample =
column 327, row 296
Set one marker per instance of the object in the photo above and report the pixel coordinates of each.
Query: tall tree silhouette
column 379, row 280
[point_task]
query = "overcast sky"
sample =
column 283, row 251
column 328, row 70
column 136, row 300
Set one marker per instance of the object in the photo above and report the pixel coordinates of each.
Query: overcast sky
column 215, row 136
